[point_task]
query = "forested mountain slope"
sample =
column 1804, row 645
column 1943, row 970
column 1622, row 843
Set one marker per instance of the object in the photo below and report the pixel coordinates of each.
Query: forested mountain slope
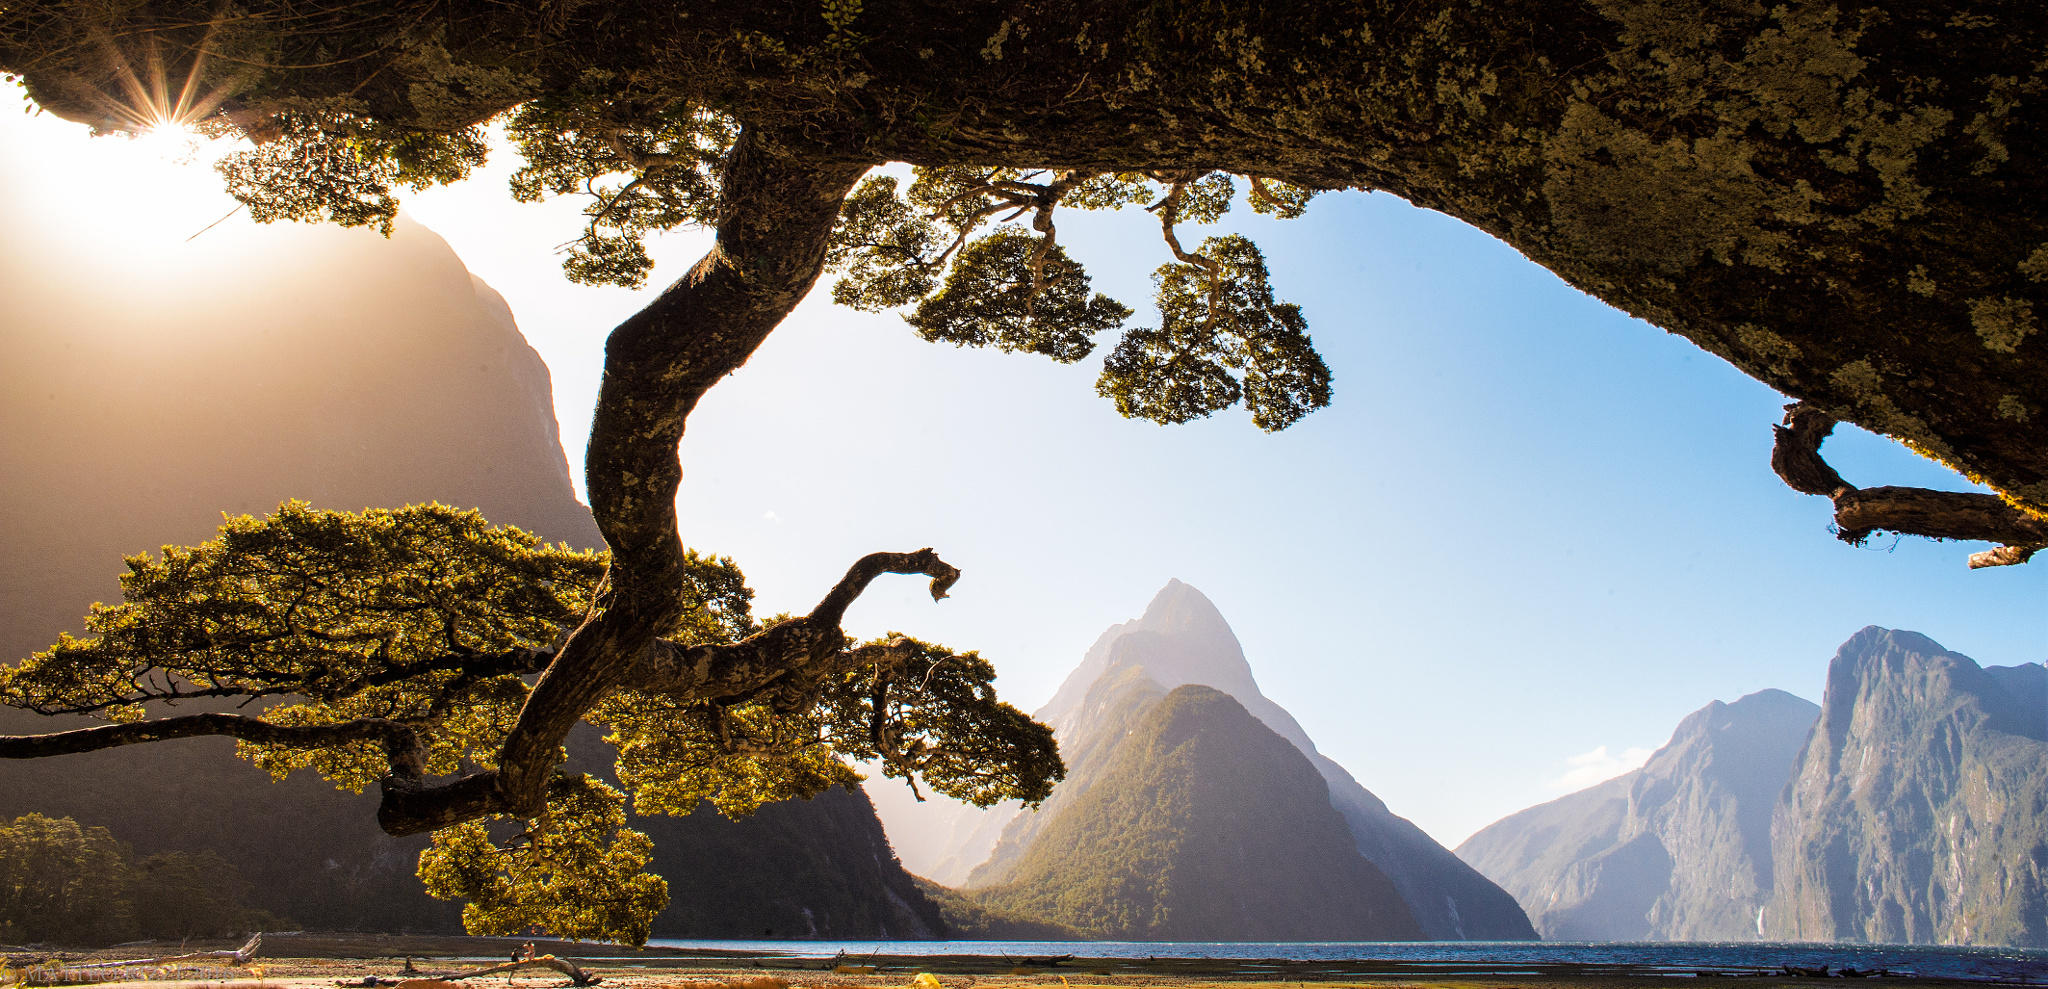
column 1183, row 639
column 1203, row 824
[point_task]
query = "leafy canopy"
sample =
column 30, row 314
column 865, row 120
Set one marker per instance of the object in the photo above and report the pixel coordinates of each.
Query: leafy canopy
column 431, row 620
column 971, row 253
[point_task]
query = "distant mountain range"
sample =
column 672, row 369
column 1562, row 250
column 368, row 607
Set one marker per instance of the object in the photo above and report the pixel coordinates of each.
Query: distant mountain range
column 1918, row 809
column 1678, row 850
column 1177, row 764
column 350, row 372
column 1911, row 806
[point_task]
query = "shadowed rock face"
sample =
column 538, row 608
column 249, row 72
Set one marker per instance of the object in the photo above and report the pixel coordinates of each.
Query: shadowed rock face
column 1203, row 824
column 1918, row 811
column 348, row 371
column 1183, row 639
column 1676, row 850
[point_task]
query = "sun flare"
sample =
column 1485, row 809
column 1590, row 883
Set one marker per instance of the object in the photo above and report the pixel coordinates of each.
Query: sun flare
column 170, row 140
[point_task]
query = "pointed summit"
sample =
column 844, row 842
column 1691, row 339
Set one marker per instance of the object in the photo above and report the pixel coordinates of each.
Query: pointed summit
column 1178, row 607
column 1182, row 639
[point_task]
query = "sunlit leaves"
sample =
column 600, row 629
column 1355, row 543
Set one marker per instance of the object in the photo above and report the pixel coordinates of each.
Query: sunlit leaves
column 1206, row 199
column 1279, row 199
column 939, row 720
column 319, row 604
column 1013, row 291
column 427, row 624
column 1222, row 339
column 598, row 259
column 340, row 167
column 574, row 871
column 889, row 253
column 1112, row 190
column 645, row 170
column 718, row 606
column 674, row 754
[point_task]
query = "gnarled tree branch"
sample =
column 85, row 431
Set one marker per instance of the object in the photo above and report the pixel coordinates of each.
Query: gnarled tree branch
column 1795, row 456
column 401, row 743
column 778, row 212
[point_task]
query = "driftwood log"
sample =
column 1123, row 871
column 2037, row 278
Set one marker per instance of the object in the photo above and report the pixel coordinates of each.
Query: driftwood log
column 239, row 956
column 576, row 974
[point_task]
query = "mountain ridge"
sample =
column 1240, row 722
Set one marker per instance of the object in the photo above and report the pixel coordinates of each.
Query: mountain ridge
column 1182, row 638
column 1919, row 809
column 1197, row 799
column 1912, row 808
column 1619, row 860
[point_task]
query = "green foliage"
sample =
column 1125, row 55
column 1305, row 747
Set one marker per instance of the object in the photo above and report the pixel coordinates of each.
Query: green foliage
column 1222, row 339
column 327, row 164
column 431, row 618
column 574, row 871
column 61, row 882
column 1280, row 200
column 1017, row 292
column 939, row 719
column 889, row 251
column 77, row 885
column 645, row 169
column 674, row 755
column 970, row 917
column 933, row 716
column 384, row 613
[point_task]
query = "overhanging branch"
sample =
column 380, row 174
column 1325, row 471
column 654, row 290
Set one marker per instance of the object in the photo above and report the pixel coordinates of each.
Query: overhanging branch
column 1859, row 512
column 401, row 743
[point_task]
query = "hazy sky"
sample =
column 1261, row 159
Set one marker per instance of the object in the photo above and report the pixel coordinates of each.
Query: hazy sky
column 1528, row 537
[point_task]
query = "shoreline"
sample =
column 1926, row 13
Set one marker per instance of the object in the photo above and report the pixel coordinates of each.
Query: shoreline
column 303, row 960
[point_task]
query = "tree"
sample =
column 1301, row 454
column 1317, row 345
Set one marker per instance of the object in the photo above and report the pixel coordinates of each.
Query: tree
column 61, row 882
column 1838, row 200
column 78, row 885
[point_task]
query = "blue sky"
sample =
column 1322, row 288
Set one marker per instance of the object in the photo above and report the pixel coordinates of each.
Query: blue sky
column 1529, row 535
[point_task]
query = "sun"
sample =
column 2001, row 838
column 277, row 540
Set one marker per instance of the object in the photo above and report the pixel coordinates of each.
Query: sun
column 172, row 141
column 139, row 193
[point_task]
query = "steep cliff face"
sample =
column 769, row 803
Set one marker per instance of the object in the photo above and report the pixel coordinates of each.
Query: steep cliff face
column 1183, row 639
column 348, row 371
column 1918, row 811
column 1203, row 824
column 391, row 377
column 1678, row 850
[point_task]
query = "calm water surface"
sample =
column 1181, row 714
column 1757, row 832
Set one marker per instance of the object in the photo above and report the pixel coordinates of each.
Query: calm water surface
column 1933, row 961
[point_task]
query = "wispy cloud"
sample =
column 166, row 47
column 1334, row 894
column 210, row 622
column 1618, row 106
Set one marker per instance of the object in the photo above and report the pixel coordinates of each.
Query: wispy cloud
column 1598, row 766
column 771, row 516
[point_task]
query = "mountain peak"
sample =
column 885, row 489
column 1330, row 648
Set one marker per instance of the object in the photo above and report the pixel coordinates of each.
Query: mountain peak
column 1181, row 638
column 1179, row 607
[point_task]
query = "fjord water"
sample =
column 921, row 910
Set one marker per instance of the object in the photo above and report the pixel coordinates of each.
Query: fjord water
column 1989, row 964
